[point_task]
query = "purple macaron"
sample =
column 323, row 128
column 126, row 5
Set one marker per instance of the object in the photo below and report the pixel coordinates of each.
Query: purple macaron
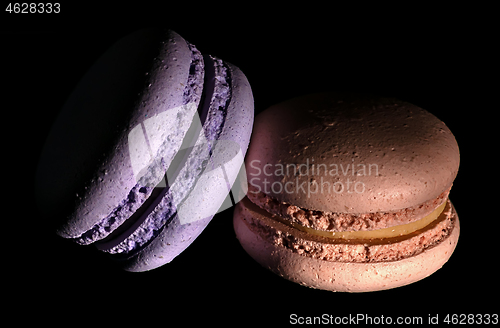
column 146, row 149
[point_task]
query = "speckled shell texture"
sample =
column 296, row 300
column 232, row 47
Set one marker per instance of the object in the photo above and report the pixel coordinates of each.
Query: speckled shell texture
column 86, row 168
column 395, row 154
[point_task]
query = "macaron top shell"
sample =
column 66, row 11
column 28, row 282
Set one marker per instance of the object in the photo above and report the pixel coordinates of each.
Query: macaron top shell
column 87, row 167
column 349, row 154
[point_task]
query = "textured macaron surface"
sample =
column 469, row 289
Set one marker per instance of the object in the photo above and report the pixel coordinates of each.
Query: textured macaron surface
column 361, row 251
column 347, row 154
column 92, row 170
column 347, row 267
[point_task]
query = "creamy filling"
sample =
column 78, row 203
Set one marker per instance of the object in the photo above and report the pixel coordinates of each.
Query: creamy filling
column 337, row 222
column 390, row 232
column 347, row 250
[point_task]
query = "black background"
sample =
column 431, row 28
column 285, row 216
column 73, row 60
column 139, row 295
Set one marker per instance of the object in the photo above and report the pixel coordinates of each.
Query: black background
column 439, row 59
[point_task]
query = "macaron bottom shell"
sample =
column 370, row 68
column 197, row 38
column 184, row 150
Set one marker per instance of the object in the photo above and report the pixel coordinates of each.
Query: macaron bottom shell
column 170, row 242
column 344, row 276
